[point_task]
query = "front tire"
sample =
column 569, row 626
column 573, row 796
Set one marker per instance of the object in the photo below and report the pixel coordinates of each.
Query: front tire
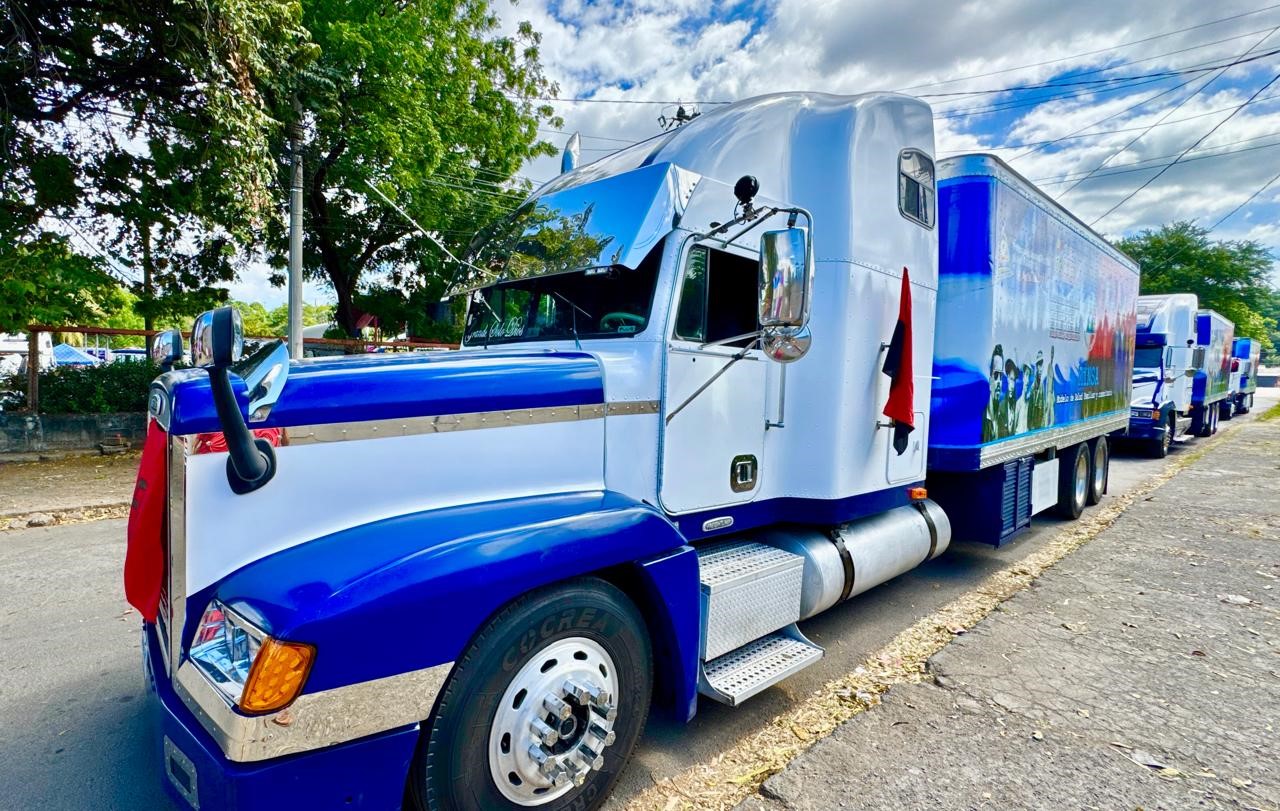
column 1073, row 481
column 574, row 659
column 1160, row 448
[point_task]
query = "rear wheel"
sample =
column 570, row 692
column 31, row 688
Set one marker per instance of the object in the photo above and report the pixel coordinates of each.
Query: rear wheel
column 544, row 708
column 1073, row 481
column 1100, row 470
column 1227, row 410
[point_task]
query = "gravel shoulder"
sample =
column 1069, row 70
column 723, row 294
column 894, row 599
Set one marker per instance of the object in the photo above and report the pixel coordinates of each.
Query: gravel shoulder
column 1142, row 671
column 67, row 484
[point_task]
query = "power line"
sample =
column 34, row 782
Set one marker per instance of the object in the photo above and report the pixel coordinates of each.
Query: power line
column 1136, row 166
column 1220, row 221
column 1165, row 74
column 1090, row 53
column 1175, row 161
column 1080, row 133
column 1162, row 118
column 112, row 262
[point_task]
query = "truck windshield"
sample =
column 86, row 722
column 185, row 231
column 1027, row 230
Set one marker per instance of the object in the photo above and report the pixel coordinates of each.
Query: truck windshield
column 612, row 302
column 1148, row 357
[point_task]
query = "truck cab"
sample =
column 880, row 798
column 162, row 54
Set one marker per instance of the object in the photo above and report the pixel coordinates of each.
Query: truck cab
column 1246, row 360
column 1165, row 364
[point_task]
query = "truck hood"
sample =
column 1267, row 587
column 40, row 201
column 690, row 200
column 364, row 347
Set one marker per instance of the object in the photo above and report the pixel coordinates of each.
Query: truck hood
column 1148, row 386
column 382, row 387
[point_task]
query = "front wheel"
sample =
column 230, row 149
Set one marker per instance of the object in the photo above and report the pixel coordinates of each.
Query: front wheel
column 543, row 709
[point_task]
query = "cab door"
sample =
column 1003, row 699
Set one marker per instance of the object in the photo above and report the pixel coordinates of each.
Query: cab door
column 714, row 398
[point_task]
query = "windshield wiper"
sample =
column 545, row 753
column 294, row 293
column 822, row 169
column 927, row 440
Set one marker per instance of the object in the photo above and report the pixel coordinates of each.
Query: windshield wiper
column 573, row 316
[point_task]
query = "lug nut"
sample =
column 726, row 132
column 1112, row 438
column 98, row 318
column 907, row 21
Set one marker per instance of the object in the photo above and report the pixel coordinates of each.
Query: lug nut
column 605, row 736
column 599, row 695
column 606, row 711
column 544, row 733
column 558, row 708
column 540, row 757
column 581, row 694
column 592, row 758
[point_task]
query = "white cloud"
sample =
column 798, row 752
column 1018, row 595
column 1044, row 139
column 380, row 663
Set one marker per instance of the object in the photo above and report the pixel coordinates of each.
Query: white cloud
column 689, row 51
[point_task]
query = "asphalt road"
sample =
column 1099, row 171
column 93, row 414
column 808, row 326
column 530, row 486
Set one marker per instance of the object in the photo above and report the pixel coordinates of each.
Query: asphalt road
column 74, row 733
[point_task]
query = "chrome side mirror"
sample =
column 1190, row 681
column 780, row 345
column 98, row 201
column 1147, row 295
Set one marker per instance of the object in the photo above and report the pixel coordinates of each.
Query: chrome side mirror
column 217, row 338
column 786, row 279
column 217, row 341
column 166, row 349
column 264, row 374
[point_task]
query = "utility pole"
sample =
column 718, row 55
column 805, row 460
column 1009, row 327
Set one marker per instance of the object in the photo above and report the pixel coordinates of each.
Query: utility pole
column 295, row 236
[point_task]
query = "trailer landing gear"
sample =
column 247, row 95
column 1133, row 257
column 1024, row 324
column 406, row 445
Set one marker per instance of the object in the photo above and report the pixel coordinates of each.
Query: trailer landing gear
column 543, row 709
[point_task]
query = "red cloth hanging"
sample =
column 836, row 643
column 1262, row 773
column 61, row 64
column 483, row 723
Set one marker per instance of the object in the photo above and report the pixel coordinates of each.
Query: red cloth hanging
column 144, row 552
column 900, row 407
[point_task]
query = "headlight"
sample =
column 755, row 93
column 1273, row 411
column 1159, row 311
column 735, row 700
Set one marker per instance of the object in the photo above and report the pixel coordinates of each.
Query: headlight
column 249, row 668
column 1144, row 414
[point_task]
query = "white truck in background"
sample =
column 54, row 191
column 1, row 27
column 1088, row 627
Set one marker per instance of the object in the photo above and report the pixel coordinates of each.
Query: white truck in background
column 1164, row 368
column 1246, row 360
column 1211, row 386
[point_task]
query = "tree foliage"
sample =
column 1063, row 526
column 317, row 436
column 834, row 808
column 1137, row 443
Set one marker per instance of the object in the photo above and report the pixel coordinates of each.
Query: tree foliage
column 430, row 102
column 147, row 126
column 261, row 322
column 43, row 281
column 1232, row 277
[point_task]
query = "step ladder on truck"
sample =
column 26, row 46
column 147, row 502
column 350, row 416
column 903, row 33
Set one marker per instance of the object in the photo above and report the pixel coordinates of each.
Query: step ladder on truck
column 710, row 386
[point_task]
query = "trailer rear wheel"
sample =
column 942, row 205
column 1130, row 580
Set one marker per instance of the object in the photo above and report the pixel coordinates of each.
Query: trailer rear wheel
column 543, row 709
column 1099, row 470
column 1073, row 481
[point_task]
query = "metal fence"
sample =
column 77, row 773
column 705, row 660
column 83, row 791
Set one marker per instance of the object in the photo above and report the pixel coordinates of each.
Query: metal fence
column 101, row 350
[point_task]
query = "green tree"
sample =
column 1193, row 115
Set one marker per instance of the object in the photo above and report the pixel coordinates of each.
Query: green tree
column 1232, row 277
column 148, row 123
column 428, row 101
column 43, row 281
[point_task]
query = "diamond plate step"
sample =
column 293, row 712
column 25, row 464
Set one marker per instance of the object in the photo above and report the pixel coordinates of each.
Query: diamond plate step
column 748, row 590
column 757, row 665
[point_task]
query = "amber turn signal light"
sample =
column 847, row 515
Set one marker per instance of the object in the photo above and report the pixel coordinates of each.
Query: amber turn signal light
column 918, row 493
column 277, row 676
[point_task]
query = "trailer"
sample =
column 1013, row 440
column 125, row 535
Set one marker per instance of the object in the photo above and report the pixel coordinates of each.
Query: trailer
column 1246, row 360
column 1211, row 384
column 1165, row 364
column 694, row 406
column 1033, row 357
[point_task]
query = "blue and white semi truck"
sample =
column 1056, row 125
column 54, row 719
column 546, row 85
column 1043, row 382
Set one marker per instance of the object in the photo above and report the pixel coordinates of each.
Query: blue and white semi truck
column 695, row 405
column 1246, row 359
column 1211, row 386
column 1166, row 363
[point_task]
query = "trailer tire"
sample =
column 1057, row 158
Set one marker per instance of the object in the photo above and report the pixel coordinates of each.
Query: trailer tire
column 1074, row 471
column 1099, row 469
column 1227, row 410
column 468, row 743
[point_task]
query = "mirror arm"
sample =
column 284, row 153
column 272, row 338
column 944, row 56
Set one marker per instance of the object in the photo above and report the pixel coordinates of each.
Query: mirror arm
column 759, row 215
column 722, row 341
column 251, row 462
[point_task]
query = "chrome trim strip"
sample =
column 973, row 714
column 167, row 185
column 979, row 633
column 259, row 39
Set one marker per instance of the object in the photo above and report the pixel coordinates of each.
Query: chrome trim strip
column 1053, row 437
column 315, row 720
column 447, row 423
column 622, row 409
column 177, row 553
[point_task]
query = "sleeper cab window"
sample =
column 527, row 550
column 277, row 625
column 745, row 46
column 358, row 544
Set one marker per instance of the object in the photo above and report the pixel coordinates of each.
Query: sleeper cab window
column 916, row 198
column 718, row 298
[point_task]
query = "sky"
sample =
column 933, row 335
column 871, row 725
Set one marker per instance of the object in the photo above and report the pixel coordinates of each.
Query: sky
column 1134, row 84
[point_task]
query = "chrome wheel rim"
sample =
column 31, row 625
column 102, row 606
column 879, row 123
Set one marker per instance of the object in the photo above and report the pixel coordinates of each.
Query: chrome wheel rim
column 1082, row 477
column 1168, row 436
column 554, row 721
column 1099, row 467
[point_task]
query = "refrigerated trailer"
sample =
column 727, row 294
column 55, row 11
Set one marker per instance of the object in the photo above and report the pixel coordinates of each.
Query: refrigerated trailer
column 1246, row 360
column 710, row 386
column 1211, row 385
